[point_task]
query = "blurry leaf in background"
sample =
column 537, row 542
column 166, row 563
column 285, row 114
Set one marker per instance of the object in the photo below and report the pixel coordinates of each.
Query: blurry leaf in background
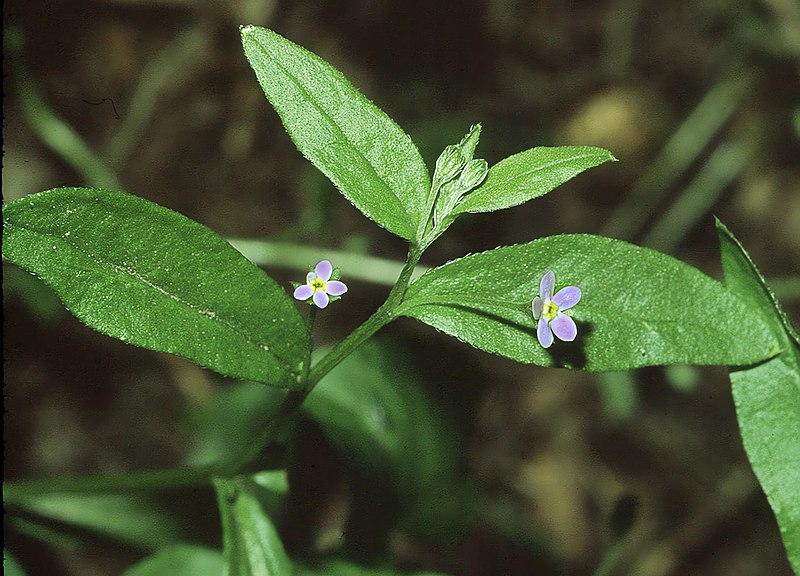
column 180, row 561
column 374, row 409
column 365, row 154
column 531, row 174
column 38, row 298
column 682, row 377
column 619, row 394
column 251, row 545
column 10, row 565
column 269, row 488
column 228, row 421
column 143, row 520
column 767, row 397
column 234, row 414
column 153, row 278
column 639, row 307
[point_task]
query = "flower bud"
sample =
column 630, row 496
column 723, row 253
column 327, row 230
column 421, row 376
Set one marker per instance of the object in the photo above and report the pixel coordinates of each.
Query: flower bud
column 469, row 142
column 473, row 174
column 449, row 164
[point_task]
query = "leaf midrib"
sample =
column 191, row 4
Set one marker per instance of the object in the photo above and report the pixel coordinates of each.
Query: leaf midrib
column 548, row 165
column 296, row 81
column 466, row 204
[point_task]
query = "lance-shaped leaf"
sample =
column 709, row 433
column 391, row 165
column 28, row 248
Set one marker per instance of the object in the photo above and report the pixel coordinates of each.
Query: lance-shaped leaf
column 375, row 409
column 153, row 278
column 767, row 397
column 355, row 144
column 143, row 520
column 531, row 174
column 639, row 307
column 251, row 544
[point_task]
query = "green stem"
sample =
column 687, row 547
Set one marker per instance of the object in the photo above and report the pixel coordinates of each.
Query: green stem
column 286, row 411
column 380, row 318
column 295, row 398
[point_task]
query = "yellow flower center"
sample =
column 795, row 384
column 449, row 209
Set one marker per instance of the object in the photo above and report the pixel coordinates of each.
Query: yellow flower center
column 318, row 284
column 550, row 310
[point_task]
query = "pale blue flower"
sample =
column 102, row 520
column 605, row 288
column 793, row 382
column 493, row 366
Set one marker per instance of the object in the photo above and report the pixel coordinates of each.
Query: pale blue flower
column 548, row 311
column 319, row 286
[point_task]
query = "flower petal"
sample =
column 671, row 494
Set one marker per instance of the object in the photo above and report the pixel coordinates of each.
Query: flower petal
column 537, row 307
column 303, row 292
column 567, row 297
column 547, row 284
column 324, row 270
column 310, row 277
column 335, row 288
column 564, row 327
column 543, row 333
column 321, row 299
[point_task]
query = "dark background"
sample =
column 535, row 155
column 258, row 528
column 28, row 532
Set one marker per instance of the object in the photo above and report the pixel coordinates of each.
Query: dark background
column 551, row 451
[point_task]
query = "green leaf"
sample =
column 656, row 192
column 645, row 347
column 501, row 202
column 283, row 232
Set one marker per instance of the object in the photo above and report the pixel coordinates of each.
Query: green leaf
column 456, row 174
column 374, row 408
column 180, row 560
column 357, row 146
column 10, row 565
column 251, row 544
column 767, row 397
column 639, row 307
column 230, row 418
column 137, row 519
column 531, row 174
column 153, row 278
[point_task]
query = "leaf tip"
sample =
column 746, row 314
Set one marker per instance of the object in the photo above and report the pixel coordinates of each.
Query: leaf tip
column 249, row 30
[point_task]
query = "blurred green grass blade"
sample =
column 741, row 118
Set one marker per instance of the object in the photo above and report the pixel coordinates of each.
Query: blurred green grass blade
column 136, row 519
column 530, row 174
column 722, row 167
column 180, row 560
column 10, row 565
column 169, row 67
column 357, row 146
column 767, row 397
column 54, row 132
column 354, row 266
column 679, row 153
column 639, row 307
column 153, row 278
column 251, row 545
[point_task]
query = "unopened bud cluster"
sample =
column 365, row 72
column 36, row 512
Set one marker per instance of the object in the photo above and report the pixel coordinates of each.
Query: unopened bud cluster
column 456, row 174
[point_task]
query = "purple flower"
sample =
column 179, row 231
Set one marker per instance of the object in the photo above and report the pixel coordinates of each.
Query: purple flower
column 547, row 309
column 319, row 286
